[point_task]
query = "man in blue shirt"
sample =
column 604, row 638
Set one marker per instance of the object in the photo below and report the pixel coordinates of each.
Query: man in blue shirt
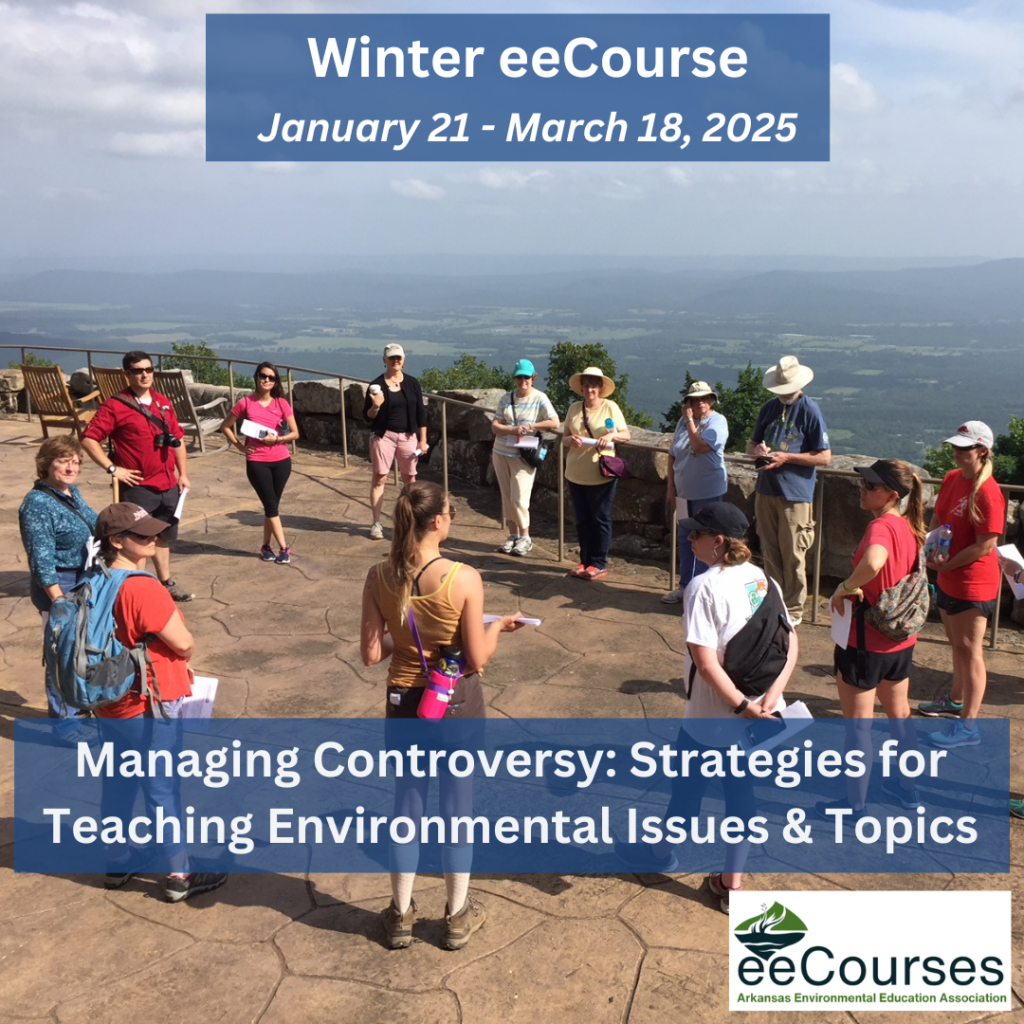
column 790, row 441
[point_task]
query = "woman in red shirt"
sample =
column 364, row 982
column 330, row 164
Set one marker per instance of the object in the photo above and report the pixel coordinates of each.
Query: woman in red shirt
column 887, row 553
column 972, row 504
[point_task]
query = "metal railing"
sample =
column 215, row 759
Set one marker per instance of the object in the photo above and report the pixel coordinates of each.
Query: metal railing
column 823, row 473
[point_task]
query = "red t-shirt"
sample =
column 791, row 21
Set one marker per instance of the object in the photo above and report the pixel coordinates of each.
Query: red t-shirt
column 144, row 606
column 135, row 437
column 894, row 534
column 980, row 580
column 271, row 415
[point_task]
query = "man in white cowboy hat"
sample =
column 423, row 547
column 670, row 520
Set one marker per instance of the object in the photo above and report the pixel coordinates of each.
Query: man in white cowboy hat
column 790, row 441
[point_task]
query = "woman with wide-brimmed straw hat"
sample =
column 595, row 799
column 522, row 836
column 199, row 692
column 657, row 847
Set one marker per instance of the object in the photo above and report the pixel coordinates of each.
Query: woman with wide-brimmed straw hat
column 591, row 429
column 698, row 472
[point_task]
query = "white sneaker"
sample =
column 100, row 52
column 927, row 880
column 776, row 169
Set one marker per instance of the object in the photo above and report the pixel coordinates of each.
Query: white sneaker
column 523, row 546
column 673, row 596
column 510, row 543
column 376, row 532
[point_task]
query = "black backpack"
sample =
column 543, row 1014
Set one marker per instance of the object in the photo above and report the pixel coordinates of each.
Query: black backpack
column 757, row 654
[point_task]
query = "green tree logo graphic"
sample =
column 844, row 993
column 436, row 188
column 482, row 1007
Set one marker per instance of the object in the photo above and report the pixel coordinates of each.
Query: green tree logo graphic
column 775, row 928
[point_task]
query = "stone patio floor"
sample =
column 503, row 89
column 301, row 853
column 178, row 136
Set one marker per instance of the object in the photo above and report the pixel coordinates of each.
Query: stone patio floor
column 292, row 948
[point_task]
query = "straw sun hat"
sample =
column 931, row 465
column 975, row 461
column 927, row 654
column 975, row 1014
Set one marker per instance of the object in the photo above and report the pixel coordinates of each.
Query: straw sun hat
column 575, row 381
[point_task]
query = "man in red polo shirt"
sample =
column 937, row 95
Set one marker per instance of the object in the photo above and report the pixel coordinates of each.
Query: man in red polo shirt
column 149, row 457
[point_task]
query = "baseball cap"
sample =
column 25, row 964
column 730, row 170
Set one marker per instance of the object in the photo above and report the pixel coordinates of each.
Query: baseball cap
column 127, row 517
column 719, row 516
column 971, row 433
column 883, row 472
column 524, row 368
column 394, row 349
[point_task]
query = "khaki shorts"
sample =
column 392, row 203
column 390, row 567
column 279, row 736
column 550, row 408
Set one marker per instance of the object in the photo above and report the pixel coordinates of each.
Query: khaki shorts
column 383, row 451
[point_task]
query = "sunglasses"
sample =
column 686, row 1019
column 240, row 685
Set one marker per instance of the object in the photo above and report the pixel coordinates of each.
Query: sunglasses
column 450, row 513
column 694, row 534
column 867, row 486
column 138, row 371
column 265, row 376
column 139, row 538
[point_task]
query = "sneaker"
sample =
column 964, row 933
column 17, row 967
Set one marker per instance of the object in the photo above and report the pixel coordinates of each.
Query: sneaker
column 285, row 557
column 398, row 927
column 178, row 889
column 460, row 927
column 944, row 707
column 956, row 734
column 640, row 857
column 178, row 593
column 510, row 543
column 1017, row 808
column 673, row 596
column 908, row 798
column 120, row 871
column 523, row 546
column 267, row 553
column 376, row 532
column 822, row 807
column 713, row 883
column 592, row 573
column 579, row 571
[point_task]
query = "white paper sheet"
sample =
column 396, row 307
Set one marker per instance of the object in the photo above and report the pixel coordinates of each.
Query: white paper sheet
column 1011, row 551
column 255, row 430
column 197, row 710
column 590, row 442
column 841, row 625
column 527, row 441
column 797, row 717
column 682, row 508
column 180, row 507
column 529, row 622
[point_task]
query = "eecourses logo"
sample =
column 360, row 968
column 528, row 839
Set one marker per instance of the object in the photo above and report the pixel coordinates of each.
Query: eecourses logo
column 775, row 928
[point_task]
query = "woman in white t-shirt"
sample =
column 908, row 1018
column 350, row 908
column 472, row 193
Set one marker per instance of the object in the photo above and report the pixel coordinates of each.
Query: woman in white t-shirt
column 718, row 604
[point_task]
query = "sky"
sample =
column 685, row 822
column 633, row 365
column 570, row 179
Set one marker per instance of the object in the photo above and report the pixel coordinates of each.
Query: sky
column 102, row 154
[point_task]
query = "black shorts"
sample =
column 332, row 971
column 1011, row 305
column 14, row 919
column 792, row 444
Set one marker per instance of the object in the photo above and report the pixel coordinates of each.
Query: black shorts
column 892, row 667
column 159, row 504
column 956, row 605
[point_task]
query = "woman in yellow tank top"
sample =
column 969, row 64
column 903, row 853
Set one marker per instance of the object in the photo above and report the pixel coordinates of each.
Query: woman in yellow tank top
column 447, row 603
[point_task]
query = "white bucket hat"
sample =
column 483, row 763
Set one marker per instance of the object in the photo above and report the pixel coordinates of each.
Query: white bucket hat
column 607, row 388
column 787, row 376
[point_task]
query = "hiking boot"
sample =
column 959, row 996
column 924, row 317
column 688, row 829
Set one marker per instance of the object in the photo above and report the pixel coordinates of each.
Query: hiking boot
column 714, row 885
column 376, row 532
column 944, row 707
column 673, row 596
column 285, row 557
column 908, row 798
column 1017, row 808
column 267, row 553
column 178, row 889
column 398, row 927
column 956, row 734
column 640, row 857
column 510, row 543
column 523, row 546
column 119, row 872
column 178, row 593
column 461, row 926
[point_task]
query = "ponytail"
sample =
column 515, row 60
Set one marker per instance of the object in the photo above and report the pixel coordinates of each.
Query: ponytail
column 983, row 474
column 416, row 507
column 914, row 512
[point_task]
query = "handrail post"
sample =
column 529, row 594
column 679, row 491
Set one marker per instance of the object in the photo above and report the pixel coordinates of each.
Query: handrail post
column 88, row 362
column 344, row 431
column 231, row 383
column 673, row 547
column 993, row 640
column 291, row 401
column 159, row 360
column 561, row 501
column 444, row 444
column 819, row 542
column 28, row 394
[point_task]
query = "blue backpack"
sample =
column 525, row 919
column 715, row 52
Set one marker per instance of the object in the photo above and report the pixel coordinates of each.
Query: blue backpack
column 90, row 666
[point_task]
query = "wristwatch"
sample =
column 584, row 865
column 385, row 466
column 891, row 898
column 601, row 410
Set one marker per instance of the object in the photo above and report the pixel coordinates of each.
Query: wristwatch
column 111, row 469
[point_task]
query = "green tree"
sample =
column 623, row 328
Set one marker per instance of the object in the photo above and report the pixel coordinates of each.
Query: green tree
column 204, row 370
column 567, row 358
column 739, row 405
column 939, row 461
column 466, row 372
column 31, row 359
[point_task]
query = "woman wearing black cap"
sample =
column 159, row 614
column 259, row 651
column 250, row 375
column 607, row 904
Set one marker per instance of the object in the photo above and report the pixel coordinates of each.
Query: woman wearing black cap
column 888, row 552
column 717, row 605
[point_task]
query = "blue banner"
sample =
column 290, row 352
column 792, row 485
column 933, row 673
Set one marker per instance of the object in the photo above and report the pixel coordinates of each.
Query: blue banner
column 517, row 87
column 529, row 795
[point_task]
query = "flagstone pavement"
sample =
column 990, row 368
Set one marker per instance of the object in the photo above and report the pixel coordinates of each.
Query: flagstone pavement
column 283, row 641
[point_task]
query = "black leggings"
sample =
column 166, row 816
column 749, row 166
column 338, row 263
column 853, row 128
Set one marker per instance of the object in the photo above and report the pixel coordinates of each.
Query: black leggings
column 268, row 480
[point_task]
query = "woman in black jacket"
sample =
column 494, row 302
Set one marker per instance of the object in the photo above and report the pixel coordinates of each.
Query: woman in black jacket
column 396, row 414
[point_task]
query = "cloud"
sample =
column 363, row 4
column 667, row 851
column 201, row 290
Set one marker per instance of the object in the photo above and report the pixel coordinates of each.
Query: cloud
column 416, row 188
column 509, row 178
column 851, row 93
column 180, row 144
column 679, row 176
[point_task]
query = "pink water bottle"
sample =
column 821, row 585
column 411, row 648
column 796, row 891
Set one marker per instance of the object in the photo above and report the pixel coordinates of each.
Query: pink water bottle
column 441, row 683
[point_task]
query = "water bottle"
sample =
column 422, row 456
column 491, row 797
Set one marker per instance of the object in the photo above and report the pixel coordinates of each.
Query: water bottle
column 940, row 547
column 441, row 683
column 610, row 424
